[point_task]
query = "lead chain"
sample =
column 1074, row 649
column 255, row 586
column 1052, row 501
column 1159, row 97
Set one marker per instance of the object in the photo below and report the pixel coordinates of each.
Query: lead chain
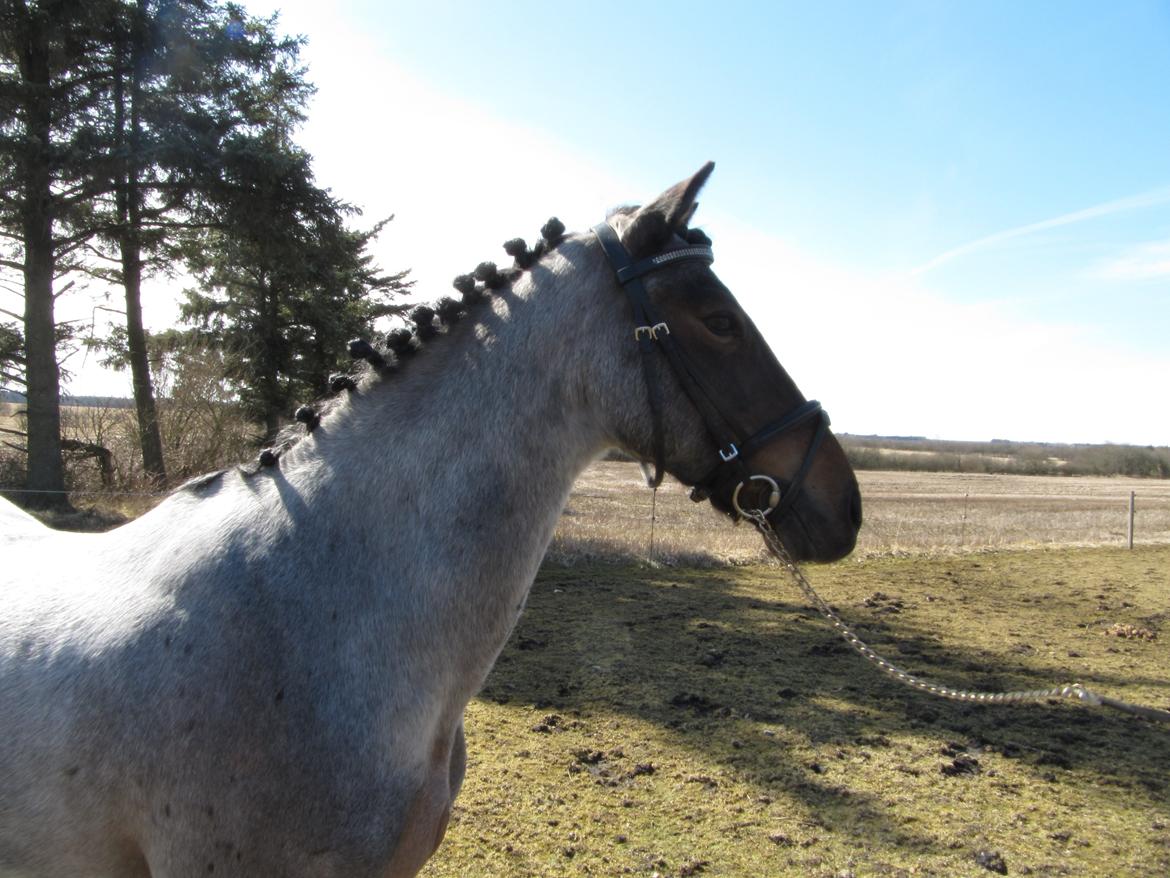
column 1074, row 691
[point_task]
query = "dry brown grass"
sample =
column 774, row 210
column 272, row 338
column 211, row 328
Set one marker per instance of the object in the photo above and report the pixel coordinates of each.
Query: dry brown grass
column 8, row 417
column 609, row 513
column 201, row 433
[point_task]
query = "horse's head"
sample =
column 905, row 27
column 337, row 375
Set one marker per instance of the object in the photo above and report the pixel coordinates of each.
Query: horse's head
column 718, row 411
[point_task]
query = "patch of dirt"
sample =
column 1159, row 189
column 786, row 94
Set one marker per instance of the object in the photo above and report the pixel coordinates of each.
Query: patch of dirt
column 992, row 861
column 1130, row 632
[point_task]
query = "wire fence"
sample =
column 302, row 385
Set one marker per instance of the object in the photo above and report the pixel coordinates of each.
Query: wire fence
column 611, row 514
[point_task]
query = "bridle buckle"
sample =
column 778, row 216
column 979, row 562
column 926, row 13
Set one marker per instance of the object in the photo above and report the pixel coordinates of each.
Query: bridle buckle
column 727, row 455
column 651, row 331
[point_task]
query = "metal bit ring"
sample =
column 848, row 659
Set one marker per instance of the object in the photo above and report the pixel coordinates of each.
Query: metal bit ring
column 773, row 497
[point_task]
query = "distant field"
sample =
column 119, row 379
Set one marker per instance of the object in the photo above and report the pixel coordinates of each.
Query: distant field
column 1016, row 458
column 8, row 415
column 609, row 515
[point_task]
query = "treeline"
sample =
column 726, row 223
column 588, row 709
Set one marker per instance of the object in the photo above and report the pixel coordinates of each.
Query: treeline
column 149, row 138
column 103, row 401
column 1022, row 458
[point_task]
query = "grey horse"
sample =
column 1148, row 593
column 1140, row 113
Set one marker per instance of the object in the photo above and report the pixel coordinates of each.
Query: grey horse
column 266, row 675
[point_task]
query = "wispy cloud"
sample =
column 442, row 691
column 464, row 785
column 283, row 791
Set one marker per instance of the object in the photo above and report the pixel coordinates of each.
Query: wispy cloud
column 1152, row 198
column 891, row 354
column 1149, row 261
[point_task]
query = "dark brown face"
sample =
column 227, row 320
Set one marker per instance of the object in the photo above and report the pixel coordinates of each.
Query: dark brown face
column 750, row 388
column 753, row 390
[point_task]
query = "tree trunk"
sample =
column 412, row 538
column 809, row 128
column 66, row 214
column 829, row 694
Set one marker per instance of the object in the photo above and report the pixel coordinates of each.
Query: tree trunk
column 149, row 435
column 129, row 203
column 46, row 473
column 270, row 372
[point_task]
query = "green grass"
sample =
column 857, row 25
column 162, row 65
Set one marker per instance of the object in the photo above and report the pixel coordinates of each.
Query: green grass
column 685, row 722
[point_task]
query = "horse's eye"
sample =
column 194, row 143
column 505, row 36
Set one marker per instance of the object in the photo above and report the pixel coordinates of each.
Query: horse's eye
column 722, row 324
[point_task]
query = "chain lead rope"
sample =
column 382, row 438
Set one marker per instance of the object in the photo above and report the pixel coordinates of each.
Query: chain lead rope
column 1073, row 691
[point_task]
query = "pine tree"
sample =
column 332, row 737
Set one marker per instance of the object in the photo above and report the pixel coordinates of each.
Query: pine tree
column 133, row 134
column 185, row 77
column 50, row 81
column 284, row 283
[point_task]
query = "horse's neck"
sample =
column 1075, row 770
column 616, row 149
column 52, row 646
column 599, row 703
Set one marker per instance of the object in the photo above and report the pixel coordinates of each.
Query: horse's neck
column 445, row 482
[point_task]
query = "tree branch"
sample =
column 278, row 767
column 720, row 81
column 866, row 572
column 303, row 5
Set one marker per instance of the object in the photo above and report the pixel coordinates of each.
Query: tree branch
column 64, row 245
column 99, row 254
column 84, row 192
column 102, row 274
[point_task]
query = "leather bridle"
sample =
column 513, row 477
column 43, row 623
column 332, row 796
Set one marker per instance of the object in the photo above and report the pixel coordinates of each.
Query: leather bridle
column 731, row 472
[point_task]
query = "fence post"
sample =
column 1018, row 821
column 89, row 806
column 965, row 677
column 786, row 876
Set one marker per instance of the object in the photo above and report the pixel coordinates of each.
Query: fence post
column 963, row 525
column 653, row 520
column 1131, row 506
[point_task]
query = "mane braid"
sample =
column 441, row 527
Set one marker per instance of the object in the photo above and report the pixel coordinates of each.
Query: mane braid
column 449, row 310
column 340, row 382
column 308, row 416
column 400, row 344
column 424, row 322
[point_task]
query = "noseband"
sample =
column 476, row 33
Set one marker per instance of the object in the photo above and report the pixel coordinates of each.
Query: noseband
column 650, row 331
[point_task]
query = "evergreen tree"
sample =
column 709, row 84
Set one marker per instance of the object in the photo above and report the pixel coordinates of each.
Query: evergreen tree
column 115, row 114
column 50, row 81
column 186, row 75
column 284, row 283
column 133, row 133
column 11, row 357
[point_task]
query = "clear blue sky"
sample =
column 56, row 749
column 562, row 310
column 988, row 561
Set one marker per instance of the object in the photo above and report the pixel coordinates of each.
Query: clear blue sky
column 963, row 208
column 879, row 135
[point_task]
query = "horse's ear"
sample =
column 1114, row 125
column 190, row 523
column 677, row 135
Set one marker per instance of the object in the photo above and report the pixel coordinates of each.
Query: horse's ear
column 668, row 214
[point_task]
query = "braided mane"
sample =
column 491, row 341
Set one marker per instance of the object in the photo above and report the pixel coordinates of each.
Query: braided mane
column 386, row 356
column 378, row 360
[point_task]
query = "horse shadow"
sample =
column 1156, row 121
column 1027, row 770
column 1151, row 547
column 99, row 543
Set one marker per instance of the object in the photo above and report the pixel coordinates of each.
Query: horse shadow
column 690, row 652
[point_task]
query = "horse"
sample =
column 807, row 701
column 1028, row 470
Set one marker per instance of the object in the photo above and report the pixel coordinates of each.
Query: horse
column 267, row 673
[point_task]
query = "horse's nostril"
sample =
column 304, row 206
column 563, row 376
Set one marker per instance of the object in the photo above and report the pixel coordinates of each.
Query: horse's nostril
column 855, row 508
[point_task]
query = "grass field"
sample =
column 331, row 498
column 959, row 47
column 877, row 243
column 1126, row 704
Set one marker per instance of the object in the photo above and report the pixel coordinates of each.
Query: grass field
column 689, row 716
column 676, row 722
